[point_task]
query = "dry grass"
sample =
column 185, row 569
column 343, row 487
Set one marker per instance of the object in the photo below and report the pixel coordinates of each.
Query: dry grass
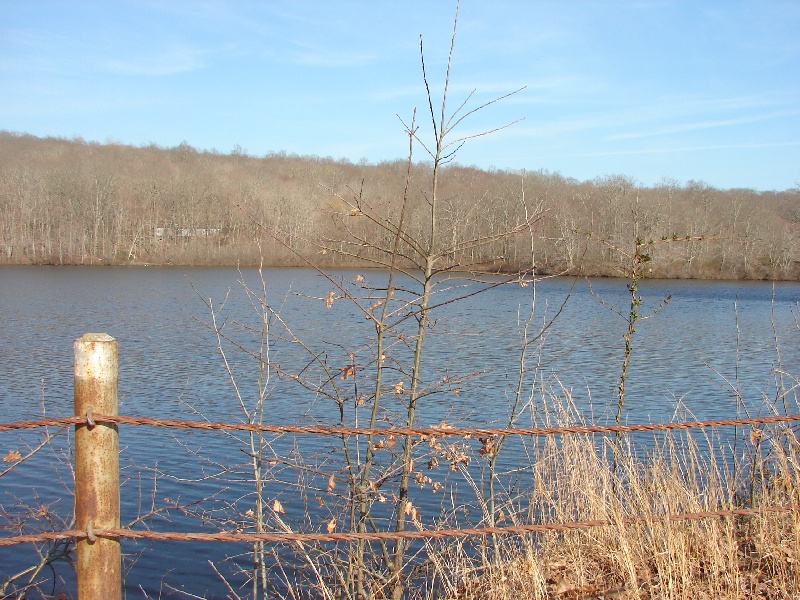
column 745, row 557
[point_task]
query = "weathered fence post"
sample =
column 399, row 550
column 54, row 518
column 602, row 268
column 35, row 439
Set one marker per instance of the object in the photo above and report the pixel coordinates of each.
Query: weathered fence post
column 97, row 467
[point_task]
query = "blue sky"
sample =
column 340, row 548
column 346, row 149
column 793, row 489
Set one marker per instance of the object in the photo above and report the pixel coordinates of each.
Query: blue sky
column 650, row 89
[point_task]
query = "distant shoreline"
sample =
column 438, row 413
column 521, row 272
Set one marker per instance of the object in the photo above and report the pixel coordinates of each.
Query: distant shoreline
column 370, row 268
column 71, row 202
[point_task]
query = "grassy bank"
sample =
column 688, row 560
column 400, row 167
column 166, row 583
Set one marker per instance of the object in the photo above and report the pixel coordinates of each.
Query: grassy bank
column 730, row 557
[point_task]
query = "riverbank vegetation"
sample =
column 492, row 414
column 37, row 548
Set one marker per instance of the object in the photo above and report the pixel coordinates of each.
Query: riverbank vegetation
column 652, row 557
column 72, row 202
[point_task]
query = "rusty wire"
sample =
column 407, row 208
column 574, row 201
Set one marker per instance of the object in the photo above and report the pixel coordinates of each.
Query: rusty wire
column 442, row 430
column 238, row 536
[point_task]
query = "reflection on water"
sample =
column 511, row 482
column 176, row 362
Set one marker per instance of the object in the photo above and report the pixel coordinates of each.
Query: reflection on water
column 715, row 342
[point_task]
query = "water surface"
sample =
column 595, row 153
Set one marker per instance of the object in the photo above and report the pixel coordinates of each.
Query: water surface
column 717, row 350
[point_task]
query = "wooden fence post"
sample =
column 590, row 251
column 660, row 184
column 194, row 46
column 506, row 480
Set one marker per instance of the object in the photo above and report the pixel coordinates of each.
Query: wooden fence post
column 97, row 467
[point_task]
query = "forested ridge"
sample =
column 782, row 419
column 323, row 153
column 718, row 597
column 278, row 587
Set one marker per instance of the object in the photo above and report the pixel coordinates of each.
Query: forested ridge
column 71, row 202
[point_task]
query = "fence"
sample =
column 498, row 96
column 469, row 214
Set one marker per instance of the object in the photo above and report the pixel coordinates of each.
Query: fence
column 97, row 505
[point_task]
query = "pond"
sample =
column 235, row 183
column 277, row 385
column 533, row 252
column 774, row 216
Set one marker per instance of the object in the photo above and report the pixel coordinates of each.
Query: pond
column 715, row 350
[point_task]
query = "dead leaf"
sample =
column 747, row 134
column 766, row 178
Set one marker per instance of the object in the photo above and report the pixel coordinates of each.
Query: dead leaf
column 329, row 299
column 398, row 387
column 359, row 278
column 331, row 484
column 433, row 462
column 755, row 435
column 332, row 525
column 12, row 456
column 250, row 514
column 348, row 371
column 487, row 446
column 278, row 508
column 354, row 212
column 390, row 442
column 563, row 585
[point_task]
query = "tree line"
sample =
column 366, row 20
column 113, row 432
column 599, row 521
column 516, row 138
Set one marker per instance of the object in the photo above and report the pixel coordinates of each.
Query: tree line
column 72, row 202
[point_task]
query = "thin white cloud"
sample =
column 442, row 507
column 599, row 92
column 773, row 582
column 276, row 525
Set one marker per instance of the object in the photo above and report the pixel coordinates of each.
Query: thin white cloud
column 673, row 150
column 177, row 59
column 334, row 59
column 393, row 93
column 685, row 127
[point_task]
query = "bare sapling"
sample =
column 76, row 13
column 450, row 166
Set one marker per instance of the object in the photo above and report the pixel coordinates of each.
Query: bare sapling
column 634, row 267
column 390, row 377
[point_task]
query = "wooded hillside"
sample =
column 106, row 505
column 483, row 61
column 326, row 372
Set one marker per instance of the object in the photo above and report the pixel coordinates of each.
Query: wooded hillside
column 71, row 202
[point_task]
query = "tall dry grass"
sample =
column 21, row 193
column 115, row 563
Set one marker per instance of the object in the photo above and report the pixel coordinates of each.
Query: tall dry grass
column 574, row 480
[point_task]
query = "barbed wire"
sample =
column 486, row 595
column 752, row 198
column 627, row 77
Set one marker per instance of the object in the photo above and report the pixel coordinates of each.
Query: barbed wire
column 439, row 431
column 238, row 536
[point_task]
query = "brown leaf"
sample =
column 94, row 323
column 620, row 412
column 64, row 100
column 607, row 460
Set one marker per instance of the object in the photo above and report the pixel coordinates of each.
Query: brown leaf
column 354, row 212
column 398, row 387
column 563, row 585
column 359, row 278
column 755, row 435
column 487, row 446
column 278, row 508
column 332, row 525
column 329, row 299
column 12, row 456
column 348, row 371
column 331, row 484
column 390, row 442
